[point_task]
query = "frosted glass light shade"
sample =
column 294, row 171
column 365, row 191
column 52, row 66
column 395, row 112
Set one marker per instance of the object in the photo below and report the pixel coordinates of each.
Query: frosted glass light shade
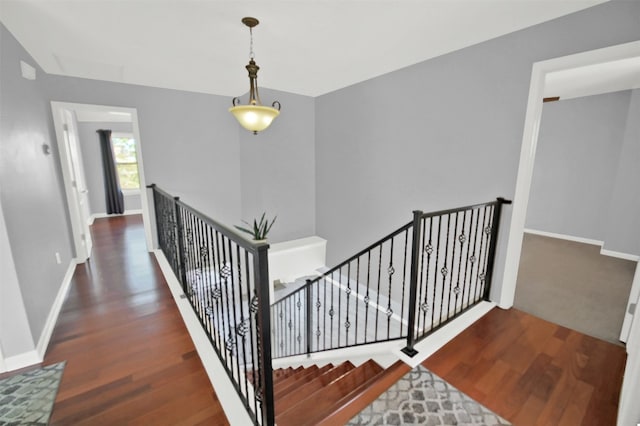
column 254, row 118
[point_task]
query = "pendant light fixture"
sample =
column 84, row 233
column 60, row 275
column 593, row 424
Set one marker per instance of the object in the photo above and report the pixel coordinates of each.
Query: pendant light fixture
column 254, row 117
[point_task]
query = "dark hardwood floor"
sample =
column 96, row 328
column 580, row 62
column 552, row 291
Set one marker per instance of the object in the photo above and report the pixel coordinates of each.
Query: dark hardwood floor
column 533, row 372
column 129, row 357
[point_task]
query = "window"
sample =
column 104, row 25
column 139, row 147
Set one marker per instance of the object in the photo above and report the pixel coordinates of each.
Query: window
column 124, row 151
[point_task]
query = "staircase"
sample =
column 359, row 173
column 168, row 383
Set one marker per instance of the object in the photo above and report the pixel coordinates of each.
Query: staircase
column 329, row 395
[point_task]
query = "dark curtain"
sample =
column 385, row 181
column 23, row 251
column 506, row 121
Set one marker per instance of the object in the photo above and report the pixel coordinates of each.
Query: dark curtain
column 113, row 193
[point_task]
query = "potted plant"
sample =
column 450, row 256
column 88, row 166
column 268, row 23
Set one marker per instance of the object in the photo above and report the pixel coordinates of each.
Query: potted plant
column 259, row 229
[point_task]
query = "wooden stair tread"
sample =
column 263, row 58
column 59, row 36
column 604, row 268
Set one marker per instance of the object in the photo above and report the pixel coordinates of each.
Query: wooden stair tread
column 294, row 382
column 292, row 398
column 285, row 382
column 360, row 398
column 320, row 404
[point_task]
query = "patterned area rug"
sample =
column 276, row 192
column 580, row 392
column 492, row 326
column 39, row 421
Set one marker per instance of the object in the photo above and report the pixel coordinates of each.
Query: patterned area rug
column 422, row 398
column 27, row 398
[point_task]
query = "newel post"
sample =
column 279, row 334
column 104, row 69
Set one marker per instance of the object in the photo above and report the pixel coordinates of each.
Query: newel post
column 413, row 283
column 495, row 226
column 261, row 281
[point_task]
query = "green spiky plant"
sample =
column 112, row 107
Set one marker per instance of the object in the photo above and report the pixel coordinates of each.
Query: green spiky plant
column 258, row 230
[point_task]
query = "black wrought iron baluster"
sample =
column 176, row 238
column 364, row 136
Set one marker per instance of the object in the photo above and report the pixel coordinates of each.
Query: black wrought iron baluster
column 366, row 297
column 377, row 309
column 207, row 278
column 357, row 297
column 308, row 312
column 462, row 239
column 428, row 249
column 225, row 272
column 339, row 321
column 404, row 276
column 435, row 273
column 217, row 296
column 176, row 213
column 347, row 323
column 390, row 271
column 451, row 271
column 318, row 306
column 241, row 328
column 471, row 255
column 481, row 257
column 331, row 311
column 299, row 323
column 324, row 316
column 233, row 327
column 248, row 280
column 423, row 278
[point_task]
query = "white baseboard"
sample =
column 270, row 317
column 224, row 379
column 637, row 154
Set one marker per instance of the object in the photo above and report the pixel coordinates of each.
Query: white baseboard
column 441, row 337
column 103, row 215
column 22, row 360
column 225, row 390
column 620, row 255
column 603, row 251
column 50, row 324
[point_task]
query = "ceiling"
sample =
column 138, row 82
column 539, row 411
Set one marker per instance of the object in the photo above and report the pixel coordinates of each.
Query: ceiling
column 309, row 47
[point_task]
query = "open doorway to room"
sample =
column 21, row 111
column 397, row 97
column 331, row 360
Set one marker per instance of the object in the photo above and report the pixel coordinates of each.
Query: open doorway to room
column 607, row 70
column 76, row 126
column 577, row 261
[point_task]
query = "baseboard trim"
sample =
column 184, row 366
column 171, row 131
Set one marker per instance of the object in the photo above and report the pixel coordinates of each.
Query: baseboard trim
column 603, row 251
column 103, row 215
column 564, row 237
column 22, row 360
column 620, row 255
column 225, row 390
column 50, row 324
column 441, row 337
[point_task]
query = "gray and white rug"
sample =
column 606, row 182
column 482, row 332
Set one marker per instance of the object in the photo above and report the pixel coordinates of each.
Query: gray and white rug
column 422, row 398
column 27, row 398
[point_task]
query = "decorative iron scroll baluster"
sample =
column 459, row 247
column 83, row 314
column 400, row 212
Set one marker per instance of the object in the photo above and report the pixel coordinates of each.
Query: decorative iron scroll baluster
column 226, row 279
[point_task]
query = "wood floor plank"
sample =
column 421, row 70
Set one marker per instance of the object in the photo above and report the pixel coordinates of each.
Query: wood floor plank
column 129, row 356
column 535, row 372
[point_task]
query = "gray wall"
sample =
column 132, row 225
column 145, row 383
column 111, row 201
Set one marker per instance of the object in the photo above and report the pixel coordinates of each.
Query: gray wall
column 33, row 200
column 189, row 142
column 577, row 158
column 623, row 232
column 442, row 133
column 278, row 169
column 92, row 161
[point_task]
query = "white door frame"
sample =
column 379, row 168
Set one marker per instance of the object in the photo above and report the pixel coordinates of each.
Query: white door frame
column 529, row 145
column 628, row 411
column 57, row 108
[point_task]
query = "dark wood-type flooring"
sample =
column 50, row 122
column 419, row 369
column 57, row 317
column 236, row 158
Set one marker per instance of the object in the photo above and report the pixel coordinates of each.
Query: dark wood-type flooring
column 533, row 372
column 130, row 359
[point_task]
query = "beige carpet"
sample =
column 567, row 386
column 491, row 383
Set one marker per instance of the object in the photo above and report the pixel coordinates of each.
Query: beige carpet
column 573, row 285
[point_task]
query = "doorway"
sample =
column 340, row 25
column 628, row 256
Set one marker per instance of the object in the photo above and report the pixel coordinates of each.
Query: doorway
column 631, row 325
column 65, row 119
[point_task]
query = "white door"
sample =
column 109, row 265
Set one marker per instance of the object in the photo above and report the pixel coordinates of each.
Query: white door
column 632, row 306
column 75, row 184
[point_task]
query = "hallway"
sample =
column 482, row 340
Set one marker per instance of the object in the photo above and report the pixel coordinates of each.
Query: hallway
column 129, row 356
